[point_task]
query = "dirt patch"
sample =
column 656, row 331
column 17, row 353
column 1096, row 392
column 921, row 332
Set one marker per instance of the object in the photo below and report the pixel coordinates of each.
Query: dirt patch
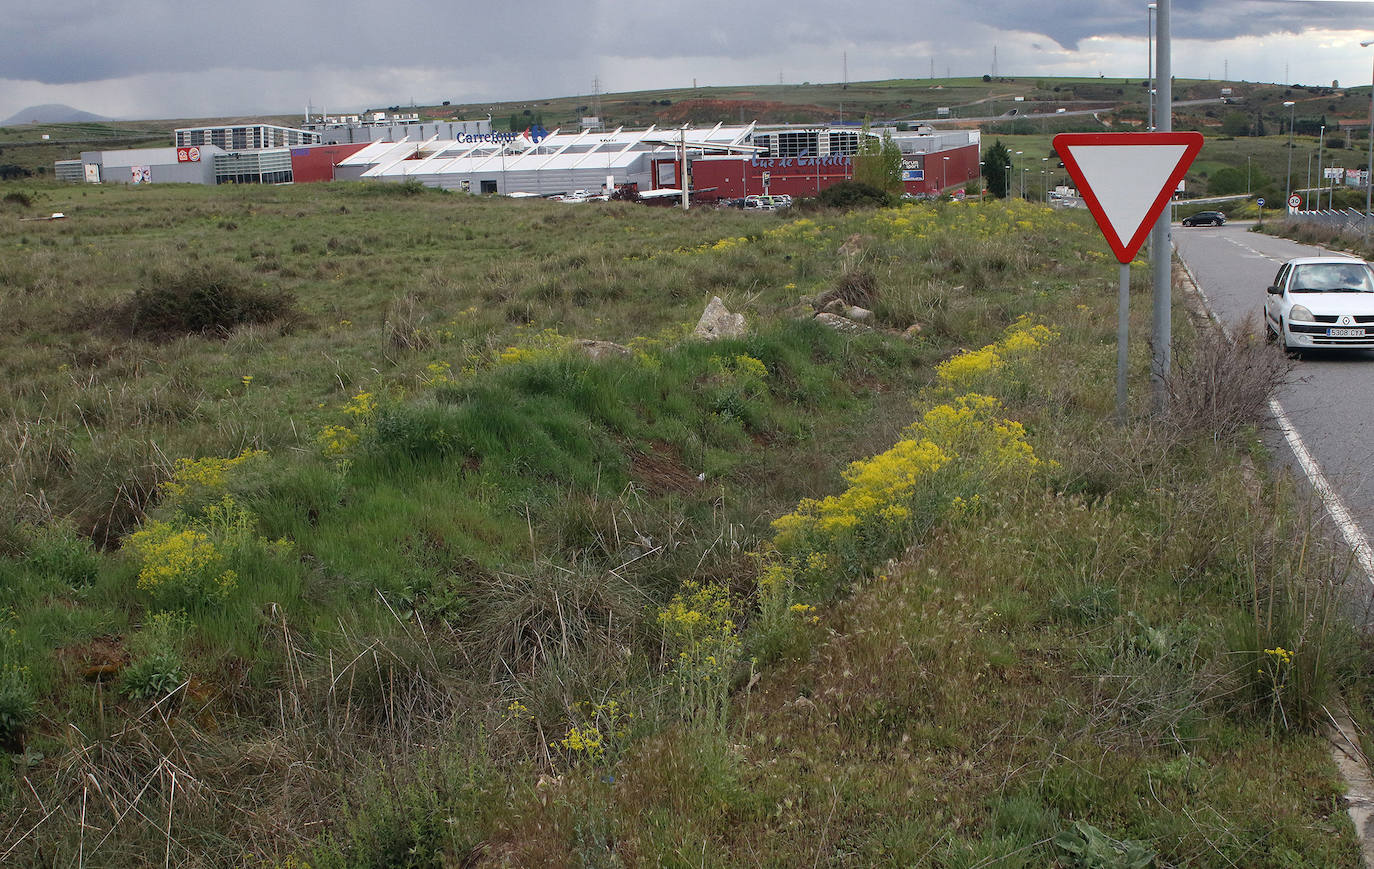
column 661, row 470
column 98, row 660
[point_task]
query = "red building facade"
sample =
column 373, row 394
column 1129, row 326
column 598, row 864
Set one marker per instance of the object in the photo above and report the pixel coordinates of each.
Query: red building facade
column 316, row 162
column 733, row 177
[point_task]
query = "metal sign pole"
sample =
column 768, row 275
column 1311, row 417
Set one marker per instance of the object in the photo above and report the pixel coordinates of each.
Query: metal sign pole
column 1160, row 242
column 1123, row 322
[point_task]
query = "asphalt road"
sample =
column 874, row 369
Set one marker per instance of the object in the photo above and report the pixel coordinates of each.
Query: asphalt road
column 1330, row 396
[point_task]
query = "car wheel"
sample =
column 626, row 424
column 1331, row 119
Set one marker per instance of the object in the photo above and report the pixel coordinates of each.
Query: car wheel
column 1269, row 333
column 1283, row 339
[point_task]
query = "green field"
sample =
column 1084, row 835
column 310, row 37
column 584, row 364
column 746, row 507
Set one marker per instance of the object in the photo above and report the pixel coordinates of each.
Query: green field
column 329, row 546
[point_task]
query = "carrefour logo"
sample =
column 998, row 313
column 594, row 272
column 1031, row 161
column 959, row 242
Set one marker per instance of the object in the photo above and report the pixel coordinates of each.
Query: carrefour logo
column 488, row 138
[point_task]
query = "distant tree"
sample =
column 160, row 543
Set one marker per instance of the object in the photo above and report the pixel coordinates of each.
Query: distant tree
column 987, row 78
column 1234, row 179
column 1235, row 124
column 995, row 162
column 879, row 161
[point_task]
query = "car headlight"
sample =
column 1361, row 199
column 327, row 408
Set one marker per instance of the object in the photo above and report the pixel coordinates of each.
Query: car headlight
column 1300, row 312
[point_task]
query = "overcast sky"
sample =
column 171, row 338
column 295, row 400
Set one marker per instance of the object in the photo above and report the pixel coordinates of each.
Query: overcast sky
column 143, row 59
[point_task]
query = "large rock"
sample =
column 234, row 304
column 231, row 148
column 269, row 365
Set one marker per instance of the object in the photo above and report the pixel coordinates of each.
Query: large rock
column 843, row 324
column 601, row 349
column 717, row 322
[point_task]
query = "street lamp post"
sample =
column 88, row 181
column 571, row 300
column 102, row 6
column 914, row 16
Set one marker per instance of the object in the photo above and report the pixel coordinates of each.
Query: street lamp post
column 944, row 173
column 1321, row 144
column 1369, row 166
column 1006, row 183
column 1288, row 181
column 1150, row 76
column 1248, row 191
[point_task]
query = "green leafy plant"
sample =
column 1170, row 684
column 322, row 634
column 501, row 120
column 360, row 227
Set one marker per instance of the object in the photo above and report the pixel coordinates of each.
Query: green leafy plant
column 1083, row 846
column 17, row 698
column 158, row 667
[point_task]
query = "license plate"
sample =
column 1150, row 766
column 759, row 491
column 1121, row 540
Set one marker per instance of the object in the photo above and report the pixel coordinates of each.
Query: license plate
column 1345, row 333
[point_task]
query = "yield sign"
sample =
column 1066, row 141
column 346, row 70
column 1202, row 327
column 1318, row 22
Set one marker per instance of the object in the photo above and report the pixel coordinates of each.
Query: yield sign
column 1127, row 179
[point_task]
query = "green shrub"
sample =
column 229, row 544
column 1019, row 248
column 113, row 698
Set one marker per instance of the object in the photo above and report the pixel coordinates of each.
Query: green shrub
column 18, row 198
column 853, row 194
column 157, row 667
column 57, row 554
column 200, row 299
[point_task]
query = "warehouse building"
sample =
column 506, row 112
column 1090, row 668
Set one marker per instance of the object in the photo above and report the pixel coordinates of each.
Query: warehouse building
column 723, row 161
column 720, row 162
column 151, row 165
column 196, row 164
column 525, row 163
column 380, row 127
column 244, row 137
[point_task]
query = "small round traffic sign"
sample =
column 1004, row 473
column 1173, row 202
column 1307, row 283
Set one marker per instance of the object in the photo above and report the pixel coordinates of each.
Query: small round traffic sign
column 1260, row 202
column 1294, row 201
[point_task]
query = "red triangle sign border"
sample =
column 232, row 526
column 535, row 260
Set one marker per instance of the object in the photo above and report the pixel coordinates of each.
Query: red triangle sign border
column 1126, row 250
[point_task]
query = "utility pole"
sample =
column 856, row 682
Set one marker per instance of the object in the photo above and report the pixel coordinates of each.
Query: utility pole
column 1369, row 166
column 1288, row 180
column 1321, row 143
column 1160, row 241
column 682, row 167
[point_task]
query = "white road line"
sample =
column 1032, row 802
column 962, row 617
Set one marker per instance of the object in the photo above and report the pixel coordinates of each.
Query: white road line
column 1354, row 535
column 1335, row 506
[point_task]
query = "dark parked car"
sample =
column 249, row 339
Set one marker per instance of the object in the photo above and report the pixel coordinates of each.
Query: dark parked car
column 1205, row 218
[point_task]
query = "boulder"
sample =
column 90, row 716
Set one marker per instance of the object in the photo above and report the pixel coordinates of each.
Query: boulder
column 861, row 315
column 597, row 350
column 912, row 331
column 717, row 322
column 843, row 324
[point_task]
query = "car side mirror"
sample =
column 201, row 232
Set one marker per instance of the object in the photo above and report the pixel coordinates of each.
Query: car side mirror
column 1274, row 291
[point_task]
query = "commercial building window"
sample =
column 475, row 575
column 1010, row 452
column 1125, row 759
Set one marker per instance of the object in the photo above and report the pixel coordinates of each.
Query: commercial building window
column 844, row 143
column 803, row 144
column 489, row 186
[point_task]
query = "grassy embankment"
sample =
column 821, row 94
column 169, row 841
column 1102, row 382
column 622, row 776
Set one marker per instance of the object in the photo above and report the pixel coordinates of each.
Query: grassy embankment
column 389, row 575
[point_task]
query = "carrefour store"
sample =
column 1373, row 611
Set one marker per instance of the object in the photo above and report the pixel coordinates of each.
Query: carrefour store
column 723, row 161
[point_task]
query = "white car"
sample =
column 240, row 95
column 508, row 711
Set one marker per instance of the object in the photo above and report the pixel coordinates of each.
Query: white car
column 1322, row 302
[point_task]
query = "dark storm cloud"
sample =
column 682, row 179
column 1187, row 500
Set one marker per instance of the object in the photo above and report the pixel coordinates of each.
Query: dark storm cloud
column 504, row 43
column 85, row 41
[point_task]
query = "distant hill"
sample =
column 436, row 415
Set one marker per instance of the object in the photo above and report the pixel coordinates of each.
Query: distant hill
column 52, row 113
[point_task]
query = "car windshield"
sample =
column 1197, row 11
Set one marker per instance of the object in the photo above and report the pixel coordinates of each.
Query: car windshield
column 1332, row 278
